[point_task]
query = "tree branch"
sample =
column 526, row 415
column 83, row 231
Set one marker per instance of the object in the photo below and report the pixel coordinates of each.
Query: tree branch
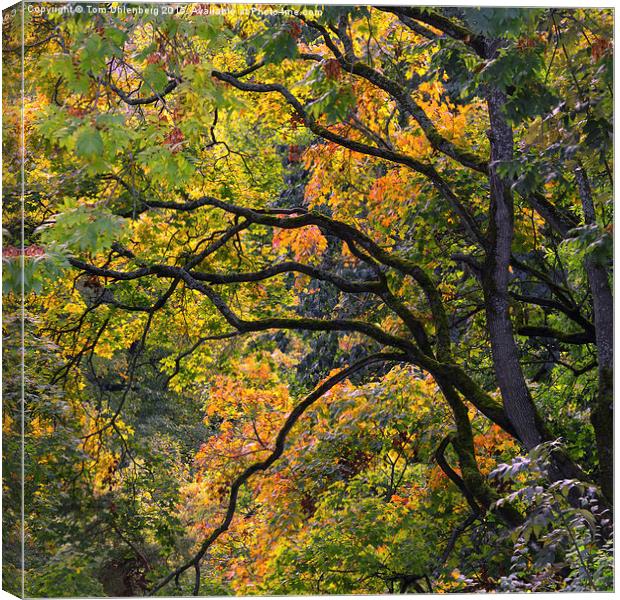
column 263, row 465
column 579, row 337
column 438, row 21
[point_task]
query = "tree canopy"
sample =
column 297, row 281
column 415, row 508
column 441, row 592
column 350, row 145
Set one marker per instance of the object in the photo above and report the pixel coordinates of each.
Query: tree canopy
column 316, row 299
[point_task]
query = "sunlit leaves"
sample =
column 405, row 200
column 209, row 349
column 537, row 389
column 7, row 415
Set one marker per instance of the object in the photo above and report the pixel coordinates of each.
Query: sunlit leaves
column 165, row 166
column 307, row 244
column 84, row 228
column 126, row 114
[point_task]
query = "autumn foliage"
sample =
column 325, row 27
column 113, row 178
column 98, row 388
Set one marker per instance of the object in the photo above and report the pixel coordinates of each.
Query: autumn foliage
column 316, row 300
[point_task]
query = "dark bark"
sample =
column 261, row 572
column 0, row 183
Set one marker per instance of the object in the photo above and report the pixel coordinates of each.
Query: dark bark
column 474, row 486
column 579, row 337
column 516, row 396
column 603, row 309
column 518, row 402
column 435, row 19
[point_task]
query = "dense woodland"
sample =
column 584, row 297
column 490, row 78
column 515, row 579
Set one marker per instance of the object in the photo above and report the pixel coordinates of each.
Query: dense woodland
column 317, row 300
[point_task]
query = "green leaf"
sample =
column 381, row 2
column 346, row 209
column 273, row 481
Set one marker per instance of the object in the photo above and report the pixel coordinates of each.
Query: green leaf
column 502, row 22
column 334, row 105
column 155, row 77
column 84, row 228
column 62, row 66
column 88, row 143
column 92, row 56
column 117, row 36
column 279, row 47
column 212, row 30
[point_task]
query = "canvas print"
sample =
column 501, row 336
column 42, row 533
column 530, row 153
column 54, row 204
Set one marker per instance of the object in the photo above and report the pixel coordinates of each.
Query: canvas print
column 306, row 300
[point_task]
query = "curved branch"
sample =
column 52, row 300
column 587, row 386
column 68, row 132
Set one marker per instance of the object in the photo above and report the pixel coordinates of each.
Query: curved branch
column 134, row 360
column 435, row 19
column 289, row 267
column 128, row 99
column 242, row 325
column 111, row 273
column 319, row 129
column 414, row 25
column 345, row 232
column 418, row 353
column 456, row 533
column 402, row 95
column 572, row 313
column 437, row 141
column 305, row 324
column 263, row 465
column 424, row 169
column 193, row 348
column 454, row 476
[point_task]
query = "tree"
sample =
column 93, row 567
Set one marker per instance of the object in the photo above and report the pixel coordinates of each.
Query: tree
column 427, row 189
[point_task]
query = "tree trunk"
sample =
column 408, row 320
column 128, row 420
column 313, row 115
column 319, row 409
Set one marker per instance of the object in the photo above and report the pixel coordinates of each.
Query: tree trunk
column 516, row 396
column 518, row 402
column 603, row 307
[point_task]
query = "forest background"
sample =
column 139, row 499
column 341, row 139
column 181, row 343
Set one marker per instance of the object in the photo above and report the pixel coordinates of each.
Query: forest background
column 317, row 299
